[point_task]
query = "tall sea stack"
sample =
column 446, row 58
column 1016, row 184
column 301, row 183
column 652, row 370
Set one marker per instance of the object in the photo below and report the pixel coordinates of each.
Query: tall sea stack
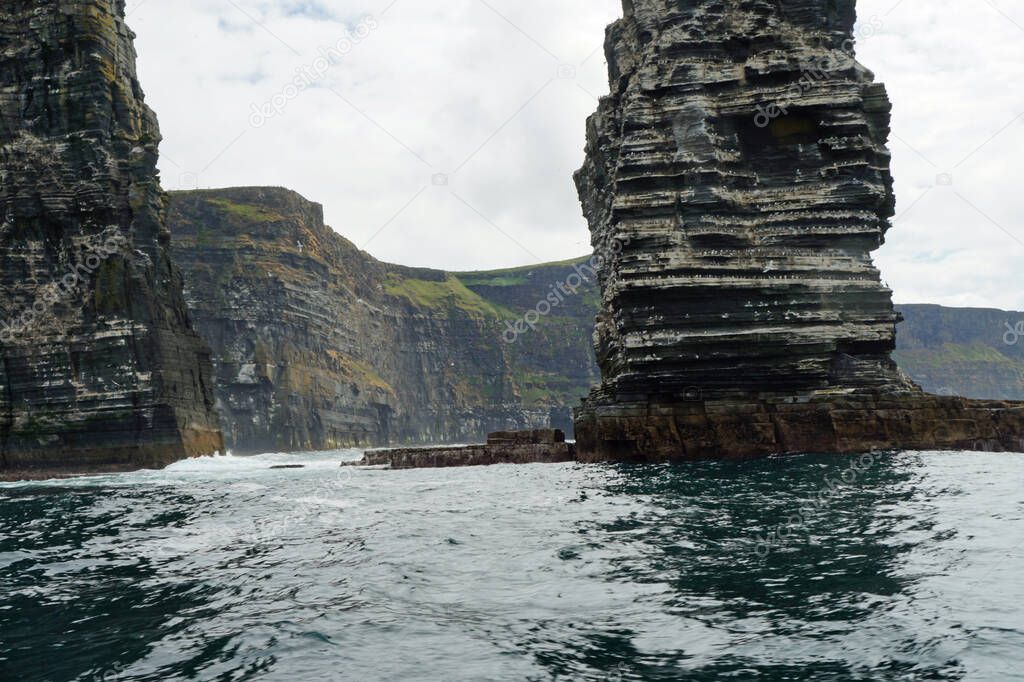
column 736, row 182
column 101, row 370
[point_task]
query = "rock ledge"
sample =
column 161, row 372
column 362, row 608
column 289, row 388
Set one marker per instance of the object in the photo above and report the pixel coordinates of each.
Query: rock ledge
column 545, row 446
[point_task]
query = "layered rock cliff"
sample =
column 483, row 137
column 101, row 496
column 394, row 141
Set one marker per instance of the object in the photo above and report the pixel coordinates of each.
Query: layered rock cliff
column 99, row 366
column 973, row 352
column 292, row 308
column 318, row 345
column 736, row 183
column 750, row 211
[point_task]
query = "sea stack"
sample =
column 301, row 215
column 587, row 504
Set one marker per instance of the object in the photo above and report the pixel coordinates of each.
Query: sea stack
column 101, row 370
column 736, row 182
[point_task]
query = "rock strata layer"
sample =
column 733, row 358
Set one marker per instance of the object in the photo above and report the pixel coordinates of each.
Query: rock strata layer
column 660, row 431
column 736, row 182
column 99, row 367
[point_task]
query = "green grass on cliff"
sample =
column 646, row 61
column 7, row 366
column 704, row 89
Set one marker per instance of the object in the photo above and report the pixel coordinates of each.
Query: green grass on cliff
column 256, row 214
column 440, row 295
column 522, row 288
column 512, row 277
column 975, row 370
column 952, row 354
column 361, row 371
column 537, row 389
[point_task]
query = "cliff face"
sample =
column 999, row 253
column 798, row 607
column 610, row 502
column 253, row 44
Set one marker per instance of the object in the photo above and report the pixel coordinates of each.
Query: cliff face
column 736, row 182
column 973, row 352
column 100, row 367
column 551, row 358
column 318, row 345
column 741, row 160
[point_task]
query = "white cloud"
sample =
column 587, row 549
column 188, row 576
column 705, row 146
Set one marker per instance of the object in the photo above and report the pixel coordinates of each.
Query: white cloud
column 471, row 89
column 951, row 68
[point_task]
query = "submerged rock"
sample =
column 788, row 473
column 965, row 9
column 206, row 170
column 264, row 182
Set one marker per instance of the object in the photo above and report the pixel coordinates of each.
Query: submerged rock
column 100, row 369
column 736, row 182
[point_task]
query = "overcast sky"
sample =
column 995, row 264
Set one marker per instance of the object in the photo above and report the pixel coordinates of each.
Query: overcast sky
column 447, row 133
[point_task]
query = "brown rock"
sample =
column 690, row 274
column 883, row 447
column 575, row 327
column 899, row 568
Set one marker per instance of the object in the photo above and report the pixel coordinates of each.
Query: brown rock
column 843, row 424
column 534, row 437
column 544, row 446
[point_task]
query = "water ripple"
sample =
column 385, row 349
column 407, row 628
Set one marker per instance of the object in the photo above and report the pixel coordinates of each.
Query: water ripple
column 774, row 570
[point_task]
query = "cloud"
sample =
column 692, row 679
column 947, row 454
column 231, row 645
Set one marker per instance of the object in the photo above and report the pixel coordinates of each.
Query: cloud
column 494, row 94
column 950, row 68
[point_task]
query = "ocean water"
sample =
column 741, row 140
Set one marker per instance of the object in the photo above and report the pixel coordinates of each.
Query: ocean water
column 905, row 566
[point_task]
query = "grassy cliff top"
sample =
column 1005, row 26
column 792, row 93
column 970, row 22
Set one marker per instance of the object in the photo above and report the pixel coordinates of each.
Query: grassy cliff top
column 518, row 276
column 445, row 293
column 279, row 219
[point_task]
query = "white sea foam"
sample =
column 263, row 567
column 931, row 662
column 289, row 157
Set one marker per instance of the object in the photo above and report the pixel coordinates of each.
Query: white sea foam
column 230, row 462
column 220, row 467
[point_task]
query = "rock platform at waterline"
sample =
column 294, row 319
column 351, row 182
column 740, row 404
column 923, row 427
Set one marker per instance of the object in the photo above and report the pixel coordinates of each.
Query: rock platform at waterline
column 544, row 446
column 847, row 423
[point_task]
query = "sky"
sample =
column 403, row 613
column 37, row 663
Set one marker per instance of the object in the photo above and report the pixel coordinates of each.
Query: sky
column 445, row 133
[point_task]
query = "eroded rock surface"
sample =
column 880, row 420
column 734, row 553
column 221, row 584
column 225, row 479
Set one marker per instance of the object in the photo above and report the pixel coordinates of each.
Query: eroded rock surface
column 318, row 345
column 100, row 369
column 845, row 422
column 736, row 182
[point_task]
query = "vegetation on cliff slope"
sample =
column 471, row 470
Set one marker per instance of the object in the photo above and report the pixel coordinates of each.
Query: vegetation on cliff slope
column 317, row 344
column 974, row 352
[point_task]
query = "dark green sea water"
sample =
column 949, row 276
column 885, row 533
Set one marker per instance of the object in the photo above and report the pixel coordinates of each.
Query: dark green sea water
column 912, row 568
